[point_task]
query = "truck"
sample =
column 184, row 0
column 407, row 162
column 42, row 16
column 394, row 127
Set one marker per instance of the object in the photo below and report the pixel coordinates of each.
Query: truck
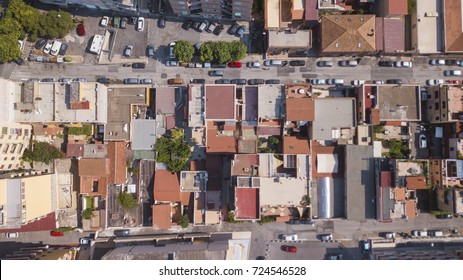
column 97, row 43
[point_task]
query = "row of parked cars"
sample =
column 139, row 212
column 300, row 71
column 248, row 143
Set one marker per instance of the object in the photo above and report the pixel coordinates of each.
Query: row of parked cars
column 121, row 22
column 213, row 27
column 54, row 47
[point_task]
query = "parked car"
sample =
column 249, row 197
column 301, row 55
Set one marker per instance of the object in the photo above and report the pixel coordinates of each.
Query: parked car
column 211, row 27
column 207, row 65
column 48, row 80
column 162, row 22
column 420, row 233
column 326, row 237
column 272, row 82
column 437, row 62
column 335, row 81
column 218, row 29
column 56, row 233
column 11, row 234
column 80, row 29
column 131, row 81
column 222, row 81
column 140, row 24
column 378, row 82
column 124, row 21
column 195, row 25
column 219, row 65
column 256, row 81
column 138, row 65
column 122, row 232
column 452, row 73
column 40, row 43
column 273, row 62
column 47, row 48
column 19, row 61
column 387, row 235
column 104, row 21
column 233, row 28
column 215, row 73
column 444, row 216
column 203, row 26
column 358, row 82
column 365, row 245
column 146, row 81
column 240, row 31
column 348, row 63
column 175, row 81
column 65, row 80
column 234, row 64
column 171, row 50
column 117, row 22
column 432, row 82
column 317, row 81
column 63, row 49
column 436, row 233
column 297, row 63
column 422, row 141
column 386, row 63
column 128, row 50
column 80, row 80
column 103, row 80
column 171, row 63
column 403, row 64
column 452, row 62
column 85, row 241
column 150, row 51
column 288, row 237
column 253, row 64
column 394, row 81
column 325, row 63
column 197, row 81
column 238, row 81
column 186, row 25
column 289, row 249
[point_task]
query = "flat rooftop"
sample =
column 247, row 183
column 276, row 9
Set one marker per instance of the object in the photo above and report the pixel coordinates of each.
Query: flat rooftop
column 281, row 39
column 282, row 191
column 429, row 29
column 332, row 113
column 399, row 103
column 220, row 102
column 196, row 108
column 247, row 203
column 271, row 101
column 193, row 181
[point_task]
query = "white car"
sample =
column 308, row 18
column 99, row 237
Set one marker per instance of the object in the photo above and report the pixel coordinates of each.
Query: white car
column 85, row 241
column 335, row 81
column 55, row 48
column 403, row 64
column 437, row 62
column 104, row 21
column 378, row 82
column 171, row 50
column 253, row 64
column 358, row 82
column 140, row 24
column 432, row 82
column 317, row 81
column 289, row 237
column 171, row 63
column 47, row 48
column 452, row 73
column 11, row 234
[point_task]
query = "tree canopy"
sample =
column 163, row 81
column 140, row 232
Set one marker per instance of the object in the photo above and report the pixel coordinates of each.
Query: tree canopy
column 127, row 200
column 222, row 51
column 184, row 51
column 9, row 48
column 173, row 150
column 42, row 152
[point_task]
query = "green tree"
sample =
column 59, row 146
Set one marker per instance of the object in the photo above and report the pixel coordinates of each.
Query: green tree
column 127, row 200
column 173, row 150
column 184, row 51
column 9, row 26
column 56, row 24
column 42, row 152
column 9, row 49
column 237, row 50
column 184, row 221
column 87, row 214
column 206, row 51
column 221, row 52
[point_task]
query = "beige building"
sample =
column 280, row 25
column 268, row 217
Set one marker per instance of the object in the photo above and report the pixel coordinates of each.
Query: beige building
column 444, row 104
column 14, row 139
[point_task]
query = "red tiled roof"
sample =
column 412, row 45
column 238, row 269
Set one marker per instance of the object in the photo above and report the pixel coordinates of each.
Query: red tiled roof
column 400, row 194
column 416, row 182
column 117, row 162
column 74, row 150
column 299, row 109
column 220, row 102
column 268, row 130
column 390, row 34
column 161, row 216
column 46, row 223
column 293, row 145
column 93, row 174
column 410, row 209
column 242, row 164
column 453, row 25
column 311, row 12
column 397, row 7
column 220, row 144
column 166, row 186
column 170, row 122
column 386, row 179
column 247, row 203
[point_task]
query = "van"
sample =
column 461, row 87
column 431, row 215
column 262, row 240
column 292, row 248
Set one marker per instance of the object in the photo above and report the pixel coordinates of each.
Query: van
column 273, row 62
column 131, row 81
column 55, row 48
column 216, row 73
column 175, row 81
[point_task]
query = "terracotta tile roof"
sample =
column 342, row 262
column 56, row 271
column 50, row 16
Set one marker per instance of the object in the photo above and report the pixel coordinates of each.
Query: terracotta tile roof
column 220, row 144
column 410, row 209
column 94, row 186
column 93, row 167
column 117, row 162
column 247, row 203
column 390, row 34
column 400, row 194
column 386, row 179
column 397, row 7
column 162, row 216
column 166, row 186
column 348, row 33
column 311, row 12
column 268, row 130
column 242, row 164
column 46, row 223
column 453, row 25
column 416, row 182
column 186, row 198
column 299, row 109
column 220, row 102
column 74, row 150
column 293, row 145
column 196, row 165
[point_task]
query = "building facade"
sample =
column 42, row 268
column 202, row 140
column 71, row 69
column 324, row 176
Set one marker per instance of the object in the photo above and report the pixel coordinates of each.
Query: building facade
column 214, row 9
column 14, row 139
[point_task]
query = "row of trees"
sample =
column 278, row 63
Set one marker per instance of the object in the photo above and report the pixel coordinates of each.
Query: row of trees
column 21, row 20
column 218, row 52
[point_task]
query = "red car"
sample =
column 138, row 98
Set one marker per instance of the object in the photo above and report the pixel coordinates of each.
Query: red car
column 81, row 29
column 289, row 249
column 235, row 64
column 56, row 233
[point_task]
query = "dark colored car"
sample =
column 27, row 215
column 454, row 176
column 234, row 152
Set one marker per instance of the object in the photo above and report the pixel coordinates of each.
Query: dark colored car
column 272, row 82
column 218, row 29
column 195, row 25
column 289, row 249
column 256, row 81
column 19, row 61
column 48, row 80
column 40, row 43
column 394, row 81
column 234, row 64
column 297, row 63
column 63, row 49
column 240, row 31
column 122, row 232
column 198, row 81
column 220, row 65
column 222, row 81
column 80, row 29
column 103, row 80
column 238, row 81
column 56, row 233
column 124, row 23
column 187, row 25
column 232, row 30
column 133, row 20
column 444, row 216
column 149, row 51
column 162, row 22
column 294, row 222
column 138, row 65
column 386, row 63
column 452, row 62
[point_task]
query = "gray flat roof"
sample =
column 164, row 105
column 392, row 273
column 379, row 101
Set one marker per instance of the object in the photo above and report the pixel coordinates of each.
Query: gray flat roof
column 271, row 100
column 360, row 183
column 143, row 134
column 399, row 103
column 332, row 113
column 282, row 39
